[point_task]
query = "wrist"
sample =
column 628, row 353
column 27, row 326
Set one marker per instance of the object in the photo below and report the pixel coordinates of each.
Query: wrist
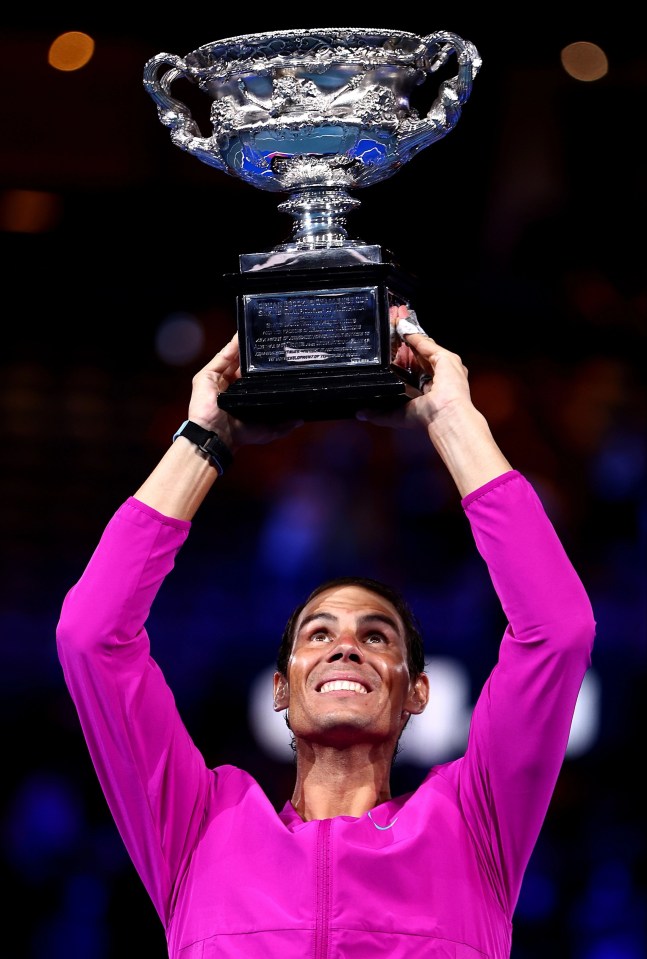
column 219, row 423
column 209, row 442
column 467, row 448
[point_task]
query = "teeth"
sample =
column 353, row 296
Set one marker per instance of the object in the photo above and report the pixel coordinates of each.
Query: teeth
column 338, row 684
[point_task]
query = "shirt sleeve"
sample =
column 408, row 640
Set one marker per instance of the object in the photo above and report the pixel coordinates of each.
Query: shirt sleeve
column 522, row 719
column 152, row 774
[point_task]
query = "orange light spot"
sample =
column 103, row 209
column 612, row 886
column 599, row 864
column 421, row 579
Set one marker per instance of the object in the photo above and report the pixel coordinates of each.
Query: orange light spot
column 29, row 211
column 70, row 51
column 585, row 61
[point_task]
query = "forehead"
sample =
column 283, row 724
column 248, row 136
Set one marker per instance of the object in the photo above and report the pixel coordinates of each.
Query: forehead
column 354, row 600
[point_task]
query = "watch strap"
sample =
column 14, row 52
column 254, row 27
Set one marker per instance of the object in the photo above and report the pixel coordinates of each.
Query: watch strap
column 209, row 443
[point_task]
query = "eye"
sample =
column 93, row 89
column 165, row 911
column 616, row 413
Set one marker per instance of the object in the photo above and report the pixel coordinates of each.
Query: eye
column 376, row 638
column 319, row 636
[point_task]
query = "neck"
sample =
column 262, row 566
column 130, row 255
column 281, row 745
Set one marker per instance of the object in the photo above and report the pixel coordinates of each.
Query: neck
column 341, row 781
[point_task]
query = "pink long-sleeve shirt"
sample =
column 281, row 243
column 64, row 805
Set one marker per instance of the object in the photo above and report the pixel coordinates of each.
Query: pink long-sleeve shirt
column 231, row 877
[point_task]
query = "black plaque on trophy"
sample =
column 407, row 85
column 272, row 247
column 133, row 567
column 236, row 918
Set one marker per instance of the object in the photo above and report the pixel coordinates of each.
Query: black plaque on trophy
column 317, row 343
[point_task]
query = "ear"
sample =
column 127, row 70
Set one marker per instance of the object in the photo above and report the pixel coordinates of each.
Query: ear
column 418, row 695
column 281, row 692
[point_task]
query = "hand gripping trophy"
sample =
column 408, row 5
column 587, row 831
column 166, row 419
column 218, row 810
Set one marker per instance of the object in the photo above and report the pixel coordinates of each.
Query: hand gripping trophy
column 315, row 114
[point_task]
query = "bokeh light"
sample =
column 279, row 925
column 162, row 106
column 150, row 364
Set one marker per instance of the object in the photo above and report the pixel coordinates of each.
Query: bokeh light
column 585, row 61
column 179, row 339
column 30, row 211
column 70, row 51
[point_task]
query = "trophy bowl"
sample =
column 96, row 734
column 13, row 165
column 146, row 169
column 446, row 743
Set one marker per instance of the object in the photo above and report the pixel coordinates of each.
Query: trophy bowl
column 315, row 114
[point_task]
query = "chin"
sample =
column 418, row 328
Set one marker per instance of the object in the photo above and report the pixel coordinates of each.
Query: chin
column 343, row 729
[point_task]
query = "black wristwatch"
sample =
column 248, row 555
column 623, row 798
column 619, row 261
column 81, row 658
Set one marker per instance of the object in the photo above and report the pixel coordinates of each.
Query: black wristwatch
column 209, row 443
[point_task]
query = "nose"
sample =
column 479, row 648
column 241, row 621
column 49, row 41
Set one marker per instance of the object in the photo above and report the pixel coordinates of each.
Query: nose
column 346, row 650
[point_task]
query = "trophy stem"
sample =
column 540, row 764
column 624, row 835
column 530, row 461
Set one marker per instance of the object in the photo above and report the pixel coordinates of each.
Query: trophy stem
column 320, row 219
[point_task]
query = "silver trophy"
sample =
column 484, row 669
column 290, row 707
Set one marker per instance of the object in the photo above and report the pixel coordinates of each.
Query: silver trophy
column 316, row 114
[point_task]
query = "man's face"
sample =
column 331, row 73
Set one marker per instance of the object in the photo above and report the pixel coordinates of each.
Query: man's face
column 348, row 680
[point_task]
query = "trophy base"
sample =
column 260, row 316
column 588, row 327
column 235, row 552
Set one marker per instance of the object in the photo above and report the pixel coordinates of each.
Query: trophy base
column 275, row 398
column 314, row 335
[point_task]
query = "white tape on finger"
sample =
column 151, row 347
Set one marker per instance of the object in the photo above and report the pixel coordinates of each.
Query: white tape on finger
column 409, row 324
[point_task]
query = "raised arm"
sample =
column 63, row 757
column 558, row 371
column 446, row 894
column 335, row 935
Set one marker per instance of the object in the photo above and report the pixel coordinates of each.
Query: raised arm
column 154, row 779
column 458, row 431
column 521, row 722
column 183, row 477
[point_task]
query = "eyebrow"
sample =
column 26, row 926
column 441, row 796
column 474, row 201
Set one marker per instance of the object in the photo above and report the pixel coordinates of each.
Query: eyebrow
column 363, row 620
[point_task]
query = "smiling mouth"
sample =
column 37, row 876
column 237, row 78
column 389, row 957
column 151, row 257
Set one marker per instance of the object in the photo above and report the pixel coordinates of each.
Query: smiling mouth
column 342, row 685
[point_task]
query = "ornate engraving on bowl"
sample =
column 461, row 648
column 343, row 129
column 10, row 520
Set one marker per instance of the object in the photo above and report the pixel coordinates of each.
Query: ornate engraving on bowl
column 303, row 109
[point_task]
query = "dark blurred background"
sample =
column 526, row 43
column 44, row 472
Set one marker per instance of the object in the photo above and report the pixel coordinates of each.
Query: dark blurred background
column 525, row 227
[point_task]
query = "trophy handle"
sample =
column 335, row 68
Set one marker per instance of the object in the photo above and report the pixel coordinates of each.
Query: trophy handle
column 185, row 132
column 445, row 111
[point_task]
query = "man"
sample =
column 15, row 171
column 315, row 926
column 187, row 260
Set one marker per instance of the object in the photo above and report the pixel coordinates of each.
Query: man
column 345, row 870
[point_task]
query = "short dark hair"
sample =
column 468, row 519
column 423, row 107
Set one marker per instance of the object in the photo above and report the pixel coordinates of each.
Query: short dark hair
column 412, row 631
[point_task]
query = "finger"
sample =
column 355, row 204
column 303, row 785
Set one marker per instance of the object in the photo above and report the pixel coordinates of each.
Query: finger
column 405, row 357
column 424, row 348
column 407, row 322
column 418, row 338
column 226, row 359
column 229, row 353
